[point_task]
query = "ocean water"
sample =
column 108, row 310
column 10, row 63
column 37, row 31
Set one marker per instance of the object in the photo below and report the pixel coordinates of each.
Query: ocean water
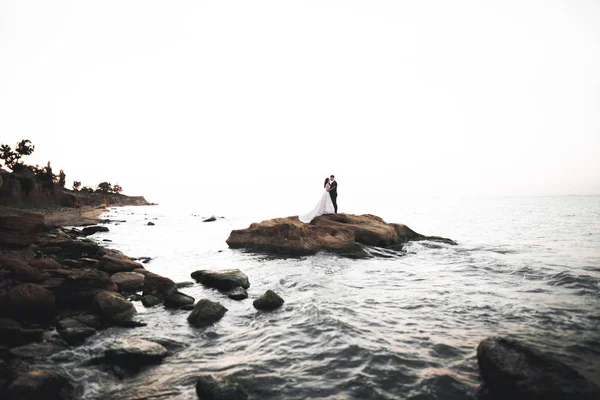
column 393, row 328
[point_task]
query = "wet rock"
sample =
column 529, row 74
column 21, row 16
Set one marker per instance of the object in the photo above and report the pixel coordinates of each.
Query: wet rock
column 150, row 301
column 239, row 293
column 181, row 285
column 38, row 351
column 45, row 263
column 187, row 307
column 158, row 286
column 20, row 271
column 41, row 385
column 150, row 223
column 134, row 352
column 206, row 313
column 128, row 281
column 268, row 301
column 177, row 300
column 90, row 230
column 76, row 335
column 13, row 334
column 344, row 234
column 113, row 306
column 210, row 219
column 31, row 302
column 91, row 320
column 114, row 261
column 19, row 228
column 223, row 280
column 513, row 370
column 211, row 388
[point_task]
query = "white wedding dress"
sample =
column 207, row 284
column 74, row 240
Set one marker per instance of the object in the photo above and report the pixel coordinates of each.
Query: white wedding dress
column 324, row 206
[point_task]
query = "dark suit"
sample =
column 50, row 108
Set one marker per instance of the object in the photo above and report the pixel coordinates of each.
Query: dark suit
column 333, row 194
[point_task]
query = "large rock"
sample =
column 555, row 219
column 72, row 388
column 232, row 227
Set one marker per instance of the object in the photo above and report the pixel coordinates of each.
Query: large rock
column 90, row 230
column 268, row 301
column 158, row 286
column 211, row 388
column 128, row 281
column 513, row 370
column 41, row 385
column 113, row 306
column 31, row 302
column 223, row 280
column 178, row 299
column 20, row 270
column 38, row 351
column 344, row 234
column 150, row 301
column 239, row 293
column 45, row 263
column 19, row 228
column 134, row 352
column 79, row 288
column 206, row 313
column 113, row 261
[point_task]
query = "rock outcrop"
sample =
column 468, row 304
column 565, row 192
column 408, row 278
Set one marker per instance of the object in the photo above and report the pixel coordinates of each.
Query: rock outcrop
column 512, row 370
column 344, row 234
column 19, row 228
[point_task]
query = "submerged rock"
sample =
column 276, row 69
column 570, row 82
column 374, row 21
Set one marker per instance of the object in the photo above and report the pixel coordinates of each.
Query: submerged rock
column 227, row 279
column 206, row 313
column 90, row 230
column 344, row 234
column 210, row 219
column 239, row 293
column 210, row 388
column 178, row 299
column 513, row 370
column 135, row 352
column 268, row 301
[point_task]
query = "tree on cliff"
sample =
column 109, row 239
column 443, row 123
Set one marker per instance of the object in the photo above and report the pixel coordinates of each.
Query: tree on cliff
column 104, row 187
column 117, row 189
column 76, row 185
column 10, row 157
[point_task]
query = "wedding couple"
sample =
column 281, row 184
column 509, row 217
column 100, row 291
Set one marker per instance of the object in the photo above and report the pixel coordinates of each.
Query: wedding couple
column 327, row 204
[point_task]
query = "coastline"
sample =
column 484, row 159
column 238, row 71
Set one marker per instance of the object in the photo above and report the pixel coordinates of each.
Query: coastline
column 66, row 216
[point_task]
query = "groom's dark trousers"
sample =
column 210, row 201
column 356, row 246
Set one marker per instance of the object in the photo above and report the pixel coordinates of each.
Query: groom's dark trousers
column 333, row 194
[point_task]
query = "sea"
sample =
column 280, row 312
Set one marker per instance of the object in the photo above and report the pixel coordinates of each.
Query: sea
column 404, row 327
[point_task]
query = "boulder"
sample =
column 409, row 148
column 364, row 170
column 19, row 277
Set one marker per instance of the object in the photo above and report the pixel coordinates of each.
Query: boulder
column 113, row 306
column 129, row 282
column 344, row 234
column 513, row 370
column 158, row 286
column 41, row 385
column 268, row 301
column 45, row 263
column 210, row 219
column 90, row 230
column 150, row 223
column 206, row 313
column 38, row 351
column 177, row 300
column 113, row 261
column 150, row 301
column 81, row 287
column 20, row 270
column 239, row 293
column 31, row 302
column 211, row 388
column 19, row 228
column 223, row 280
column 134, row 352
column 70, row 263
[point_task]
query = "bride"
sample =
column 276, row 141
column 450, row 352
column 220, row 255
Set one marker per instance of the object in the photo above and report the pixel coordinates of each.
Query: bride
column 324, row 206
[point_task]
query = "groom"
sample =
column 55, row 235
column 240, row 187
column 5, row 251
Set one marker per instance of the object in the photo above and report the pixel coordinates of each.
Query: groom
column 333, row 191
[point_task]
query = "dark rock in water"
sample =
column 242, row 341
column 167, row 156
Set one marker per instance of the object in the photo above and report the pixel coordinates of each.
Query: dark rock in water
column 344, row 234
column 76, row 335
column 41, row 385
column 268, row 301
column 210, row 388
column 19, row 228
column 38, row 351
column 129, row 282
column 223, row 280
column 239, row 293
column 206, row 313
column 210, row 219
column 150, row 223
column 31, row 302
column 134, row 352
column 181, row 285
column 150, row 301
column 513, row 370
column 113, row 306
column 13, row 334
column 20, row 271
column 158, row 286
column 114, row 261
column 90, row 230
column 177, row 300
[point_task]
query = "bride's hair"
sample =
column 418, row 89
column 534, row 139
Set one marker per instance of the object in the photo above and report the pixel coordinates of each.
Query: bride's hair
column 326, row 182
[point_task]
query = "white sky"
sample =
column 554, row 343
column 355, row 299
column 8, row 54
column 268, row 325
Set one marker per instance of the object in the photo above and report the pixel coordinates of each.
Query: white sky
column 235, row 101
